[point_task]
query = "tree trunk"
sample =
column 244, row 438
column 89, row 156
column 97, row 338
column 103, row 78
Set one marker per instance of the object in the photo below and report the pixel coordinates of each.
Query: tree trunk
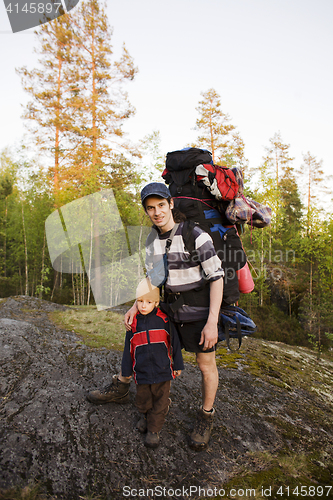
column 139, row 260
column 54, row 284
column 262, row 270
column 25, row 255
column 57, row 137
column 73, row 286
column 5, row 241
column 212, row 138
column 310, row 294
column 90, row 257
column 42, row 272
column 20, row 275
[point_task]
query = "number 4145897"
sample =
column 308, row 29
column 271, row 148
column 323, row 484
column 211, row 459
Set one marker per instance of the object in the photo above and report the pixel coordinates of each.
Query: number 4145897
column 32, row 8
column 305, row 491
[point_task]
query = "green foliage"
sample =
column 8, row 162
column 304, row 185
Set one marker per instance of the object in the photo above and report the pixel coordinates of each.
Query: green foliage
column 6, row 186
column 274, row 324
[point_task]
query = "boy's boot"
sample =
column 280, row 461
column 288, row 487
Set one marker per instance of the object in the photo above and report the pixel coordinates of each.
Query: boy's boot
column 152, row 439
column 116, row 392
column 142, row 423
column 201, row 433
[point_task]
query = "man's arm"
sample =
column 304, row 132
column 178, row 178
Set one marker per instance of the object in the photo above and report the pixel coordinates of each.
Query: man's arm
column 209, row 333
column 129, row 316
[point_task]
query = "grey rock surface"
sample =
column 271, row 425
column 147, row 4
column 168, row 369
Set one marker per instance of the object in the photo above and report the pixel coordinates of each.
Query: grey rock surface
column 49, row 432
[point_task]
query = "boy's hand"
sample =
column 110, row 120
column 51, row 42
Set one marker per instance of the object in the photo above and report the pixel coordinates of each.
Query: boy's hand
column 177, row 373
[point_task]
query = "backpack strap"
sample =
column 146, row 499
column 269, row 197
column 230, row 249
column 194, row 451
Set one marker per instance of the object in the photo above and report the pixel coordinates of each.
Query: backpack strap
column 169, row 240
column 188, row 237
column 239, row 335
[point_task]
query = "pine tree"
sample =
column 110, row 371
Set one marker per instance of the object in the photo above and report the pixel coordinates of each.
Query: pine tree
column 78, row 104
column 276, row 178
column 218, row 134
column 50, row 112
column 292, row 213
column 315, row 180
column 277, row 157
column 100, row 99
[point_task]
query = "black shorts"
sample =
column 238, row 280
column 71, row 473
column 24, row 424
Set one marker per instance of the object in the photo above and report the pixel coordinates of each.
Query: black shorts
column 189, row 335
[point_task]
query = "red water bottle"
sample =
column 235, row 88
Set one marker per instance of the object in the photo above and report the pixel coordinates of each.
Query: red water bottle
column 245, row 280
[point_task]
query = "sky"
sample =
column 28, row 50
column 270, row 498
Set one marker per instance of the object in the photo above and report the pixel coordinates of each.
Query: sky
column 269, row 60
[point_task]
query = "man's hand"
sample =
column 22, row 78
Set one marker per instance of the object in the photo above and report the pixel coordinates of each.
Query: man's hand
column 177, row 373
column 209, row 335
column 129, row 316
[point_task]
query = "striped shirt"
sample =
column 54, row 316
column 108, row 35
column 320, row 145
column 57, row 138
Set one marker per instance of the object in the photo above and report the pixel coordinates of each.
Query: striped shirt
column 185, row 274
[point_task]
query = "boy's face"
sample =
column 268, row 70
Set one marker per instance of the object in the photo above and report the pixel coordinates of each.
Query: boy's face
column 145, row 306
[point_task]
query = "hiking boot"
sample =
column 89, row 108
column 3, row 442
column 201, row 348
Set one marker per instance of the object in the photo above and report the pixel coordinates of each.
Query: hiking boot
column 152, row 439
column 201, row 433
column 142, row 423
column 116, row 392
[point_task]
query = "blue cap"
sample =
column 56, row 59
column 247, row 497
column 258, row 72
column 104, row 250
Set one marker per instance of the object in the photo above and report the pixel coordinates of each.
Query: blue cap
column 155, row 189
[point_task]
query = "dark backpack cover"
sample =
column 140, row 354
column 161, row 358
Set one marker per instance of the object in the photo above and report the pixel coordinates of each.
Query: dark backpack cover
column 234, row 322
column 187, row 158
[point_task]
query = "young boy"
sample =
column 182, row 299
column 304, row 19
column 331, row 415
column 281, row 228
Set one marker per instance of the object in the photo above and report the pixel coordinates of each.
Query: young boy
column 153, row 355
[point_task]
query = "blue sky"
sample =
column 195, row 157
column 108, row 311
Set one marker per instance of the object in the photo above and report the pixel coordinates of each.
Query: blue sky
column 270, row 61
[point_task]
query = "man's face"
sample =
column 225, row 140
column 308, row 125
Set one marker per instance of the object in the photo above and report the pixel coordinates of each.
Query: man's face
column 159, row 212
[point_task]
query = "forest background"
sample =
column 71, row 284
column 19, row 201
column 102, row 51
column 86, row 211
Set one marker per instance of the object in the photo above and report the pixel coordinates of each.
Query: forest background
column 76, row 115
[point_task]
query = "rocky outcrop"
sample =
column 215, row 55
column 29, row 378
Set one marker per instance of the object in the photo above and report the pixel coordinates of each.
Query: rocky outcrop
column 50, row 433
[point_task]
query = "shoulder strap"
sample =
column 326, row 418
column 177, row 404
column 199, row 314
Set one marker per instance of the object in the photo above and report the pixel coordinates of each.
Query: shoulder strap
column 169, row 240
column 188, row 236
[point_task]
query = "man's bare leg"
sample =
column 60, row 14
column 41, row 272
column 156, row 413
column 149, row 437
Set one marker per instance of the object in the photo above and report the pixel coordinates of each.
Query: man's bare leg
column 210, row 378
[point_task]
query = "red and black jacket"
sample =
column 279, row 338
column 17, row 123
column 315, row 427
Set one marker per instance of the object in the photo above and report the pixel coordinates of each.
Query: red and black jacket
column 151, row 353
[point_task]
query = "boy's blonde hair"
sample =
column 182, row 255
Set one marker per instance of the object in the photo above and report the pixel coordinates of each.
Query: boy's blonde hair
column 146, row 290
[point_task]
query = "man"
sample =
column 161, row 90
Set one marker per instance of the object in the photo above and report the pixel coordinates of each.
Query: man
column 193, row 293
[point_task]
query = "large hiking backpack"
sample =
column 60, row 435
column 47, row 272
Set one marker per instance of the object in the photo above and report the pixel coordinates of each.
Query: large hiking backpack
column 193, row 198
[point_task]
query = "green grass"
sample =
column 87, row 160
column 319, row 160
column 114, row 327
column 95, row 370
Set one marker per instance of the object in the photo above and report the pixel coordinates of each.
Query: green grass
column 285, row 474
column 29, row 492
column 96, row 328
column 33, row 491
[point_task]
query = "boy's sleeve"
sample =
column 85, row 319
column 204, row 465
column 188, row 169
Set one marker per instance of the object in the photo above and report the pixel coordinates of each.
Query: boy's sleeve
column 126, row 362
column 177, row 357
